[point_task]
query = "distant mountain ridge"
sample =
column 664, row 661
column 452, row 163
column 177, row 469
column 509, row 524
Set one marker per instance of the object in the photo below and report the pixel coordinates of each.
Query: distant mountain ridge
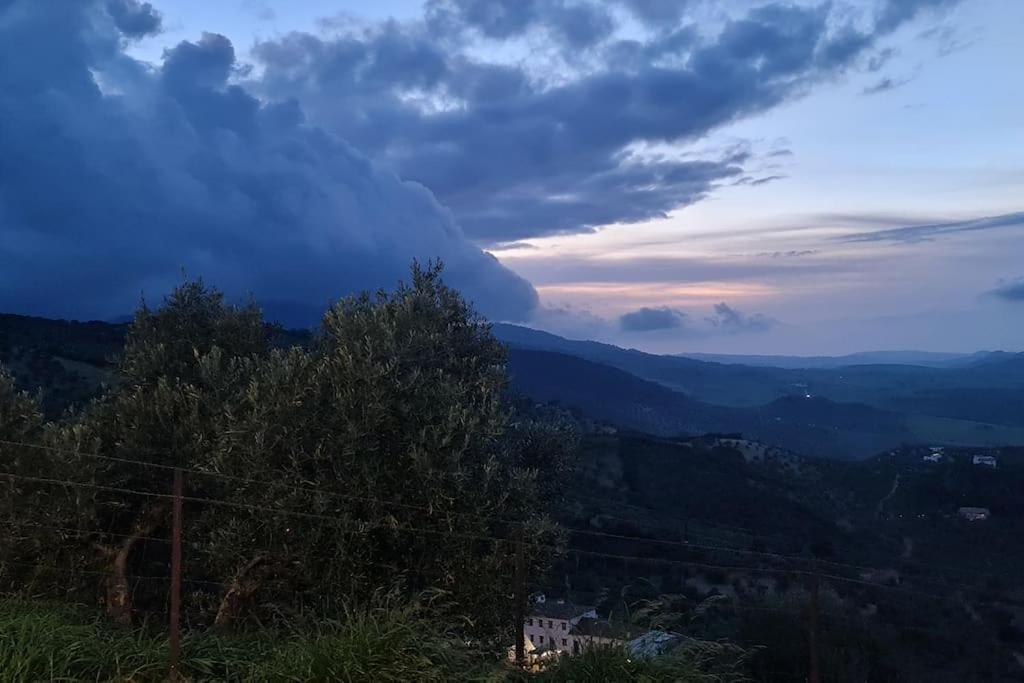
column 846, row 412
column 922, row 358
column 813, row 426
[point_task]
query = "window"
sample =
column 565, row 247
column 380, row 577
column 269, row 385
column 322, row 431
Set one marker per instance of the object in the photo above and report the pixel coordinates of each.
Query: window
column 529, row 622
column 564, row 641
column 540, row 639
column 563, row 625
column 551, row 624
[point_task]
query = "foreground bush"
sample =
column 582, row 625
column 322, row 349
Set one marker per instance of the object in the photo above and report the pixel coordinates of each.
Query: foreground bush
column 45, row 642
column 695, row 662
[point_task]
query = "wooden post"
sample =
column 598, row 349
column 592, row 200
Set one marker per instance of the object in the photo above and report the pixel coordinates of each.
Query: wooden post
column 813, row 671
column 175, row 635
column 519, row 598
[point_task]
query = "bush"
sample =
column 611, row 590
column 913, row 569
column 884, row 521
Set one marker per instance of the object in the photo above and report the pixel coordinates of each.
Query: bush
column 389, row 642
column 693, row 662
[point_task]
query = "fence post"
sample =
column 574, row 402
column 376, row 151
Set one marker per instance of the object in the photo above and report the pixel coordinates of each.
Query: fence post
column 519, row 598
column 175, row 634
column 814, row 672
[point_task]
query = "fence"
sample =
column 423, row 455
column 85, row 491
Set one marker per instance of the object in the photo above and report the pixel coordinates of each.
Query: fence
column 658, row 551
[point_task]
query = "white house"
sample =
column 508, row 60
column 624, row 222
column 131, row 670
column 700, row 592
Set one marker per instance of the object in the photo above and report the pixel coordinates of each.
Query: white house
column 555, row 628
column 985, row 460
column 933, row 457
column 974, row 514
column 548, row 624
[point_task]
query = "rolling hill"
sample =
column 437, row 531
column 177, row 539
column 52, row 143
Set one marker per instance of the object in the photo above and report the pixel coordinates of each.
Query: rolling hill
column 847, row 412
column 813, row 426
column 985, row 388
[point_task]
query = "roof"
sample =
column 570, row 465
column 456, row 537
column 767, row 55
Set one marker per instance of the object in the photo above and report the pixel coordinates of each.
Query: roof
column 654, row 643
column 600, row 628
column 557, row 610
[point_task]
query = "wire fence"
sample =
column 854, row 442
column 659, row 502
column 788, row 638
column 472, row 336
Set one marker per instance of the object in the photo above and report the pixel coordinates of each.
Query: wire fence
column 648, row 553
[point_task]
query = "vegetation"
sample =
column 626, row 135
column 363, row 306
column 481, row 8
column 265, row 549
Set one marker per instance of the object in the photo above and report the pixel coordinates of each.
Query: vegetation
column 387, row 641
column 691, row 663
column 382, row 450
column 385, row 452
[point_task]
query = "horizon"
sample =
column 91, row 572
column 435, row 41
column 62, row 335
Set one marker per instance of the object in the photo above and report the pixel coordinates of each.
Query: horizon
column 771, row 178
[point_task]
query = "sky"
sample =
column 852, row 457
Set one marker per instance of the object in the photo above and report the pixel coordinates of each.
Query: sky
column 673, row 175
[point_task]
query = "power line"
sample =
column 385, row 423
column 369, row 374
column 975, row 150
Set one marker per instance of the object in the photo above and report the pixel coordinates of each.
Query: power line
column 455, row 534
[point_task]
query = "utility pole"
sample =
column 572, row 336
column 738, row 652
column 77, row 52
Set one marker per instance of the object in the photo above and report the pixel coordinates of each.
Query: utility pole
column 519, row 599
column 175, row 635
column 813, row 671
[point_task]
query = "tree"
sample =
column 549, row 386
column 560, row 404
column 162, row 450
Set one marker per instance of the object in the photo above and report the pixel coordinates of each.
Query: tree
column 391, row 434
column 181, row 363
column 382, row 451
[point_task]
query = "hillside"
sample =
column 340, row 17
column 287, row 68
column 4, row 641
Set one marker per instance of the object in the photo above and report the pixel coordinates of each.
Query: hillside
column 910, row 585
column 922, row 358
column 813, row 426
column 988, row 389
column 852, row 412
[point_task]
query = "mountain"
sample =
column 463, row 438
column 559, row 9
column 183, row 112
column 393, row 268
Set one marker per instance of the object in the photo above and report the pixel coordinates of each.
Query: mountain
column 922, row 358
column 848, row 412
column 987, row 387
column 810, row 425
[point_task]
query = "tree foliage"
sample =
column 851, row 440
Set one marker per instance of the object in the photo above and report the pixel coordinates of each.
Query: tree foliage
column 384, row 450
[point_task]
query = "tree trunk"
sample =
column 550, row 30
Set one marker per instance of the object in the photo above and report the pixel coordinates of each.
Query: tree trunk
column 119, row 597
column 246, row 582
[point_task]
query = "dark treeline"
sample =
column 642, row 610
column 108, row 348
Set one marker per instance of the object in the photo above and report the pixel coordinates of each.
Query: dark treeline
column 390, row 431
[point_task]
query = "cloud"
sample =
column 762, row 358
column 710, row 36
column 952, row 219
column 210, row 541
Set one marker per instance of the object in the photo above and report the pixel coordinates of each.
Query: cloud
column 930, row 231
column 885, row 85
column 576, row 24
column 755, row 182
column 660, row 13
column 949, row 39
column 729, row 320
column 1010, row 290
column 259, row 9
column 135, row 19
column 115, row 176
column 523, row 116
column 651, row 319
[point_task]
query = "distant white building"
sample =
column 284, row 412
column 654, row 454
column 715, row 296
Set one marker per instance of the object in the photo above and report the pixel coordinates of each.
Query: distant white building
column 548, row 624
column 986, row 460
column 974, row 514
column 556, row 628
column 933, row 457
column 938, row 449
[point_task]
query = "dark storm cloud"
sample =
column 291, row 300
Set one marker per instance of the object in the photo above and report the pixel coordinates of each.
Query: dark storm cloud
column 577, row 24
column 134, row 19
column 652, row 319
column 731, row 321
column 930, row 231
column 520, row 149
column 1010, row 290
column 724, row 320
column 893, row 13
column 115, row 176
column 658, row 13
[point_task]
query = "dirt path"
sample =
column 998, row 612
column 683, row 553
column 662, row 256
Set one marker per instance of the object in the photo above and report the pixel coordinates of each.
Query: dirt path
column 892, row 492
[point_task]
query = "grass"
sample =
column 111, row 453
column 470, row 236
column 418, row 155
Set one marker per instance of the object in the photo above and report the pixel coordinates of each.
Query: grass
column 695, row 662
column 390, row 642
column 48, row 642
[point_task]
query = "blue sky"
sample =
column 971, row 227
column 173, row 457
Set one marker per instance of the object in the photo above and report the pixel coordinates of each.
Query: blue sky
column 771, row 177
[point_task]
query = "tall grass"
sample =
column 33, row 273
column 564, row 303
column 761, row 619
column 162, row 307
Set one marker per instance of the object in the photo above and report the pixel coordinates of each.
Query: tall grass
column 391, row 642
column 693, row 662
